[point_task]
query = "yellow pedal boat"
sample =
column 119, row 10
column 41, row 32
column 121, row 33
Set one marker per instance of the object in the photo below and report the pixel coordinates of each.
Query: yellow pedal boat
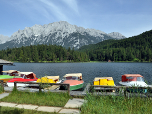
column 106, row 81
column 48, row 79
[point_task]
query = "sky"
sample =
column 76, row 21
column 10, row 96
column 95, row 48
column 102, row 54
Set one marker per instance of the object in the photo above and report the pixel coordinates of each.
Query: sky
column 128, row 17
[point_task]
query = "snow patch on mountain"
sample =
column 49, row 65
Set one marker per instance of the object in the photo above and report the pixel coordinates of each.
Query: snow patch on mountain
column 3, row 39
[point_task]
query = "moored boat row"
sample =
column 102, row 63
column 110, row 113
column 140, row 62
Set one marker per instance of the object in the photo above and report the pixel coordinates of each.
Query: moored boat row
column 129, row 80
column 126, row 80
column 73, row 79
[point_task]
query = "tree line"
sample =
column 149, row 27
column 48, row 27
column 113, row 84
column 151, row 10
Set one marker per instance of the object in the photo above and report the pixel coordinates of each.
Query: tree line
column 136, row 48
column 40, row 53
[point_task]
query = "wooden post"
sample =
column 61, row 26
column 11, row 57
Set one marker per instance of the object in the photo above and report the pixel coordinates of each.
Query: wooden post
column 1, row 69
column 69, row 89
column 2, row 84
column 125, row 92
column 15, row 85
column 40, row 87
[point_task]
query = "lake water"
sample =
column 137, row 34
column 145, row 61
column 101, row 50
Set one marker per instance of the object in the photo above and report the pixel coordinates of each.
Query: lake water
column 89, row 70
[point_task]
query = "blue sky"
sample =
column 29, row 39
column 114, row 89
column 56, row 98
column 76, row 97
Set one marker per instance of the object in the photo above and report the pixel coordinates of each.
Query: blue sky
column 128, row 17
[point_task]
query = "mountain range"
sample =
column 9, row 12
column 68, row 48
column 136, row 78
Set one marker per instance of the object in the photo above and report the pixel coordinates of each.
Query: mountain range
column 3, row 39
column 59, row 33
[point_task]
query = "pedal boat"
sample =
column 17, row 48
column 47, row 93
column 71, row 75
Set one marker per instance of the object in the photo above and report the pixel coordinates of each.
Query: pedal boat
column 10, row 75
column 48, row 79
column 104, row 81
column 133, row 80
column 25, row 77
column 99, row 82
column 74, row 79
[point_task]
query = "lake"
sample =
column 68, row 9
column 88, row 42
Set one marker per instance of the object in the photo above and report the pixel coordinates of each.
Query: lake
column 89, row 70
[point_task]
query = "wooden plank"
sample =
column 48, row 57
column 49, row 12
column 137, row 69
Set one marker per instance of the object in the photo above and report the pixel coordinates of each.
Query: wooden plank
column 98, row 88
column 53, row 87
column 118, row 86
column 41, row 84
column 86, row 89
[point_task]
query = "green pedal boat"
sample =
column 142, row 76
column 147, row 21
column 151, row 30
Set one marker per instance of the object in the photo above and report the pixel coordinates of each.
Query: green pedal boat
column 75, row 80
column 10, row 74
column 6, row 78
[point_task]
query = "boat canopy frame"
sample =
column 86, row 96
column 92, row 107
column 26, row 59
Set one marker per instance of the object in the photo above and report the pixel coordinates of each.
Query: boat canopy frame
column 73, row 74
column 131, row 77
column 28, row 75
column 98, row 78
column 10, row 71
column 53, row 77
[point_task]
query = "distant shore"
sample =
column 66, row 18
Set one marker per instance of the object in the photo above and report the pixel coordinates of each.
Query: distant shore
column 83, row 62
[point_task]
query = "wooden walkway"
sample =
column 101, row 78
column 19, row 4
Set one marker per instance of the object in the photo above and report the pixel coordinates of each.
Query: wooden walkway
column 51, row 89
column 85, row 92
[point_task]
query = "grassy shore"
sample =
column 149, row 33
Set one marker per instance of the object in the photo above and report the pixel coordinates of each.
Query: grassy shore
column 95, row 104
column 10, row 110
column 38, row 98
column 116, row 105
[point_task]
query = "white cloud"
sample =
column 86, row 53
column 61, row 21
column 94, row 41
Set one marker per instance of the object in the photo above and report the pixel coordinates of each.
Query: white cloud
column 72, row 4
column 116, row 15
column 40, row 10
column 54, row 9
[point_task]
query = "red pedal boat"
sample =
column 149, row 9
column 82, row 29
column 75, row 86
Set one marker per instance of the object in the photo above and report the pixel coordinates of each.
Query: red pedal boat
column 25, row 77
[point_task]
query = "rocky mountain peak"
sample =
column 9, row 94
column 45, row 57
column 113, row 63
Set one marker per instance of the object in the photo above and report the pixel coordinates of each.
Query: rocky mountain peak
column 60, row 33
column 116, row 35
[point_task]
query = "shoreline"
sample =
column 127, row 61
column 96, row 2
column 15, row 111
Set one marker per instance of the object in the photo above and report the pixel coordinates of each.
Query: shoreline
column 82, row 62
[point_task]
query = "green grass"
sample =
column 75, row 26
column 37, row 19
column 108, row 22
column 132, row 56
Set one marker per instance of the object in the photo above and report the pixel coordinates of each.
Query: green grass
column 1, row 90
column 116, row 105
column 10, row 110
column 38, row 98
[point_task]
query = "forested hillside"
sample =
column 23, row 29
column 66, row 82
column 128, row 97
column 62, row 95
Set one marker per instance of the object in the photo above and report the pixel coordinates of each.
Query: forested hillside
column 136, row 48
column 39, row 53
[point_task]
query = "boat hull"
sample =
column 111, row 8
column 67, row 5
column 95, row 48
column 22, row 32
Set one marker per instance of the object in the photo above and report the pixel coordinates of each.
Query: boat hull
column 139, row 90
column 6, row 78
column 74, row 84
column 10, row 83
column 76, row 87
column 135, row 84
